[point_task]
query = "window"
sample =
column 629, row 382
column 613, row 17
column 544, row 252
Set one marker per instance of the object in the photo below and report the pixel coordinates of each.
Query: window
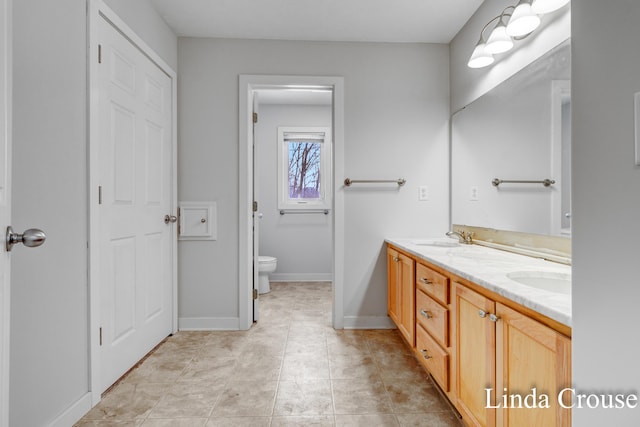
column 304, row 168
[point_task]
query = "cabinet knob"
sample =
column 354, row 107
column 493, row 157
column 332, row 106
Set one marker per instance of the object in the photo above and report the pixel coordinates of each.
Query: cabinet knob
column 493, row 317
column 482, row 313
column 425, row 354
column 425, row 281
column 396, row 259
column 425, row 313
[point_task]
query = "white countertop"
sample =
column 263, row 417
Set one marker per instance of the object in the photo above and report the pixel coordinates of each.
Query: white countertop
column 489, row 267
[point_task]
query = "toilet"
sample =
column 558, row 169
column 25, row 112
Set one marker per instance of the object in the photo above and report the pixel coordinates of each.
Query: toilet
column 266, row 265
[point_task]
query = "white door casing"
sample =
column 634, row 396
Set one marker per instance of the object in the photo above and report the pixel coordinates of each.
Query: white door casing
column 247, row 85
column 5, row 202
column 132, row 187
column 256, row 216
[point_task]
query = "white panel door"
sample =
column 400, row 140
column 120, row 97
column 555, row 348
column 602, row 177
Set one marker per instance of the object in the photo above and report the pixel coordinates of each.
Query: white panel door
column 135, row 267
column 5, row 203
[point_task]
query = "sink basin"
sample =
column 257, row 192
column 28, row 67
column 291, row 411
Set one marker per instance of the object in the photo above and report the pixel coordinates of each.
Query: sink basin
column 436, row 243
column 553, row 282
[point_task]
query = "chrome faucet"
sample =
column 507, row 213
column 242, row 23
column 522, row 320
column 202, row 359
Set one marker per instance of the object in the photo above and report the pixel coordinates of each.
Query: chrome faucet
column 463, row 237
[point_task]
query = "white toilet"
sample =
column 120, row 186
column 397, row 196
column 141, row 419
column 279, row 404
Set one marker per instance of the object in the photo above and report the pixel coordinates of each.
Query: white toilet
column 266, row 265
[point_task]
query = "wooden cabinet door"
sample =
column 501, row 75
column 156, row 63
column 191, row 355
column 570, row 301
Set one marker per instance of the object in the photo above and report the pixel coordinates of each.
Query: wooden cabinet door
column 531, row 355
column 393, row 271
column 406, row 302
column 474, row 354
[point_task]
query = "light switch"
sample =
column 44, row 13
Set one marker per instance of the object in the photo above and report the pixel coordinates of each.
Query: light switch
column 423, row 193
column 473, row 193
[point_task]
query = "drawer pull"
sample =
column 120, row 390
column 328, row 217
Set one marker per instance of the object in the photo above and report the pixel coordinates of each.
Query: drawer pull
column 425, row 313
column 482, row 313
column 425, row 354
column 493, row 317
column 425, row 281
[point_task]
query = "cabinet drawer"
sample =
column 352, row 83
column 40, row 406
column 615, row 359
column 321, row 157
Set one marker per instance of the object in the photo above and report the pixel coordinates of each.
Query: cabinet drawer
column 433, row 357
column 433, row 283
column 433, row 317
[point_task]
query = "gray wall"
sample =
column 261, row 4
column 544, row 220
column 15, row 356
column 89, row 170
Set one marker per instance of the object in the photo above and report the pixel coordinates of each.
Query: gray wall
column 606, row 205
column 396, row 125
column 49, row 365
column 302, row 243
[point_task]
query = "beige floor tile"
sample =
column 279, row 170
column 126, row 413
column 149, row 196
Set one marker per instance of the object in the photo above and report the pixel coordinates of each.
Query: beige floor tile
column 247, row 398
column 377, row 420
column 310, row 397
column 108, row 423
column 195, row 400
column 290, row 369
column 128, row 402
column 403, row 366
column 432, row 419
column 158, row 370
column 416, row 395
column 308, row 421
column 175, row 422
column 256, row 367
column 239, row 422
column 209, row 369
column 353, row 367
column 360, row 397
column 306, row 344
column 304, row 366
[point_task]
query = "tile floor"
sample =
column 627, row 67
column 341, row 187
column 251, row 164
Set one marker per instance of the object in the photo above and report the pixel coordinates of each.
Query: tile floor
column 290, row 369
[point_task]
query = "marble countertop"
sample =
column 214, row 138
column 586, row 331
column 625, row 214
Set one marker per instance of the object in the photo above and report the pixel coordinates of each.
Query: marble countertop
column 489, row 267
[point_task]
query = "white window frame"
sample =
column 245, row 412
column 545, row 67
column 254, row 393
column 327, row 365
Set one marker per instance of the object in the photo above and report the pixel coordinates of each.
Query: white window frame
column 324, row 201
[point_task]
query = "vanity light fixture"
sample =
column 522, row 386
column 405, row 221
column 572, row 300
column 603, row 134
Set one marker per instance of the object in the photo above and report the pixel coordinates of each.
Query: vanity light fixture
column 499, row 41
column 523, row 19
column 480, row 57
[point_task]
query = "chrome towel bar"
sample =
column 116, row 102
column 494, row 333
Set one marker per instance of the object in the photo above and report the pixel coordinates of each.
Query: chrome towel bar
column 322, row 211
column 349, row 181
column 546, row 182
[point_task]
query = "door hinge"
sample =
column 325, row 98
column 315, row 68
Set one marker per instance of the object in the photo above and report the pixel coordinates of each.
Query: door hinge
column 255, row 117
column 255, row 294
column 100, row 335
column 100, row 194
column 99, row 54
column 255, row 206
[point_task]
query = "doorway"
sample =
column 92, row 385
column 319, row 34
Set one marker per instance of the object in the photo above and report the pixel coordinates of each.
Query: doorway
column 249, row 86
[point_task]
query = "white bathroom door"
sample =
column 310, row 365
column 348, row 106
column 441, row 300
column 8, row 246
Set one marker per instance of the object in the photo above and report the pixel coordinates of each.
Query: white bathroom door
column 256, row 217
column 5, row 203
column 135, row 184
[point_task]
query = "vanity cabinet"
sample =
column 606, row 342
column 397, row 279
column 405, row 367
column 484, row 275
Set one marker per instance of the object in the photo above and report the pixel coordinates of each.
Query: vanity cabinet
column 497, row 348
column 401, row 293
column 471, row 339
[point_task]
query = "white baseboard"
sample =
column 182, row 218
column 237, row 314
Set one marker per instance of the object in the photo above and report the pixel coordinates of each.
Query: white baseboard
column 208, row 324
column 368, row 322
column 74, row 412
column 301, row 277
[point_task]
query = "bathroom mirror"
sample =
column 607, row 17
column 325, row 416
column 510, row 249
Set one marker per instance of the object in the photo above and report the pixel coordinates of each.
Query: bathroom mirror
column 518, row 131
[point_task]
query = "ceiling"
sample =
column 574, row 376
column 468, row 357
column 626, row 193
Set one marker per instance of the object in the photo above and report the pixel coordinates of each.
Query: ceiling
column 421, row 21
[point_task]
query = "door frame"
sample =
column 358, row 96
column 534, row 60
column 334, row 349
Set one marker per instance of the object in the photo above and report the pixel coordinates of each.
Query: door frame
column 247, row 85
column 99, row 10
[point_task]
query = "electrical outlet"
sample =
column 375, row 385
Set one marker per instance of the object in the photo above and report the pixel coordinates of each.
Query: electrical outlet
column 473, row 193
column 423, row 193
